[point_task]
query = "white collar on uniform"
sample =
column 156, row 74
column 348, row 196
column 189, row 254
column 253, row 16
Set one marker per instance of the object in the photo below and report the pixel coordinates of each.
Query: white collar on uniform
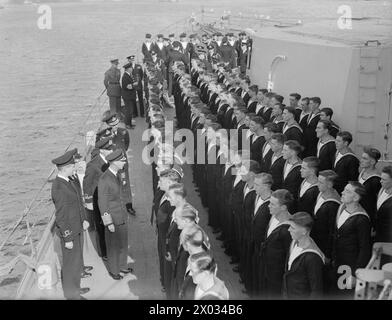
column 382, row 197
column 237, row 180
column 103, row 158
column 343, row 215
column 62, row 177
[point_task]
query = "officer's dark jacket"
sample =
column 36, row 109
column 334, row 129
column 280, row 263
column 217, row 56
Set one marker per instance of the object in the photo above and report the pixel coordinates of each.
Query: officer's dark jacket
column 121, row 139
column 94, row 170
column 112, row 82
column 70, row 212
column 127, row 93
column 112, row 198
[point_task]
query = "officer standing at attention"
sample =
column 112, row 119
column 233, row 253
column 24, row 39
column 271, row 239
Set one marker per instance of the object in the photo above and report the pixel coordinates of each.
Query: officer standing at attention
column 128, row 93
column 120, row 140
column 112, row 204
column 70, row 222
column 94, row 169
column 112, row 85
column 138, row 75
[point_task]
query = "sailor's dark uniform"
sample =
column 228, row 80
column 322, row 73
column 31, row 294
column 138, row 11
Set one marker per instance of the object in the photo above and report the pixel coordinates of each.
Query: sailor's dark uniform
column 303, row 277
column 351, row 243
column 291, row 178
column 256, row 147
column 384, row 217
column 273, row 252
column 245, row 258
column 310, row 137
column 172, row 241
column 326, row 154
column 293, row 132
column 324, row 219
column 346, row 167
column 307, row 197
column 276, row 171
column 112, row 200
column 70, row 215
column 369, row 200
column 259, row 225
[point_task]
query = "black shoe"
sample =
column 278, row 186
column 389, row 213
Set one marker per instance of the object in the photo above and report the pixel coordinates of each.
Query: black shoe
column 130, row 209
column 86, row 274
column 129, row 270
column 236, row 269
column 84, row 290
column 88, row 268
column 116, row 276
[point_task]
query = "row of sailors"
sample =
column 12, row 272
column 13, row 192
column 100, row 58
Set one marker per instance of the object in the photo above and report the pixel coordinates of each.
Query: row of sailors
column 342, row 227
column 187, row 267
column 233, row 51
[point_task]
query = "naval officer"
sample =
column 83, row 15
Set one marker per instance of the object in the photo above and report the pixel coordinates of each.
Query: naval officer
column 112, row 204
column 112, row 85
column 70, row 222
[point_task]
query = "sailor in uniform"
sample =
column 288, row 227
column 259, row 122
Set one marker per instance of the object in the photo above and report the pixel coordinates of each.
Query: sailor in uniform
column 370, row 178
column 326, row 114
column 291, row 129
column 258, row 231
column 346, row 163
column 310, row 137
column 302, row 119
column 112, row 85
column 303, row 277
column 384, row 207
column 269, row 130
column 277, row 161
column 208, row 286
column 326, row 147
column 70, row 223
column 294, row 99
column 275, row 247
column 308, row 191
column 351, row 237
column 291, row 175
column 257, row 140
column 325, row 210
column 94, row 169
column 147, row 46
column 112, row 204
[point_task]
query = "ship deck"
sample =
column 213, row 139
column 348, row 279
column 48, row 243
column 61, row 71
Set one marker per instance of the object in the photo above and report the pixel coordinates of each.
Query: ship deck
column 142, row 250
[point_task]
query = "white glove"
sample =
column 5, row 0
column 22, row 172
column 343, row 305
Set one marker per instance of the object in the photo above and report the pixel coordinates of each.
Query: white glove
column 69, row 245
column 111, row 227
column 85, row 225
column 89, row 206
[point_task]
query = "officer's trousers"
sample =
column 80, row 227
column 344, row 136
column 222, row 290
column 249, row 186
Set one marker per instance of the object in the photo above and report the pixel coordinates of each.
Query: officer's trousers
column 117, row 248
column 72, row 268
column 115, row 104
column 130, row 105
